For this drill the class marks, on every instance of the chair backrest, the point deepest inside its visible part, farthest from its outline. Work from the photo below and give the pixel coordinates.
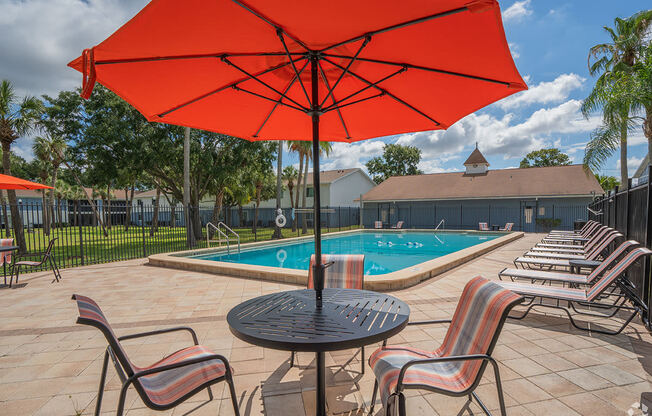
(607, 239)
(616, 271)
(91, 314)
(400, 224)
(483, 226)
(378, 224)
(590, 229)
(48, 250)
(508, 226)
(611, 259)
(6, 257)
(596, 237)
(346, 272)
(477, 322)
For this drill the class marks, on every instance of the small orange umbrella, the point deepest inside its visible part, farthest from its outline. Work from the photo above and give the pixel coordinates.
(11, 182)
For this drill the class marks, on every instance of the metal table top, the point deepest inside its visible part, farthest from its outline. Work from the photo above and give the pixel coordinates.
(291, 321)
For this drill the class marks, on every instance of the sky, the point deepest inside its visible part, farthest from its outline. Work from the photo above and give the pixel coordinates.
(549, 40)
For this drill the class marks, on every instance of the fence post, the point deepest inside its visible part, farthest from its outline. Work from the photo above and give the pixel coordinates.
(629, 187)
(142, 225)
(81, 239)
(647, 288)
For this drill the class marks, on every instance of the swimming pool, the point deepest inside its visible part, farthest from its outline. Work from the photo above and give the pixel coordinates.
(385, 251)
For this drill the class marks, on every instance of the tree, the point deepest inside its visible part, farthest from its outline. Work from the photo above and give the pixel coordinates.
(17, 118)
(324, 148)
(610, 61)
(50, 150)
(289, 175)
(607, 182)
(301, 147)
(279, 186)
(545, 157)
(397, 160)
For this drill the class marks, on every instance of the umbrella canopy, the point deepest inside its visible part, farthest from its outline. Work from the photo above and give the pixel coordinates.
(336, 70)
(11, 182)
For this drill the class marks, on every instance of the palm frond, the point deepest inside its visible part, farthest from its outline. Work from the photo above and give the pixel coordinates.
(605, 140)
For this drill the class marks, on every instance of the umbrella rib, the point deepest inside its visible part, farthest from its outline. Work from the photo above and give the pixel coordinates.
(222, 88)
(297, 76)
(269, 22)
(323, 76)
(366, 41)
(279, 32)
(180, 57)
(255, 78)
(424, 68)
(337, 107)
(235, 87)
(398, 26)
(393, 74)
(397, 99)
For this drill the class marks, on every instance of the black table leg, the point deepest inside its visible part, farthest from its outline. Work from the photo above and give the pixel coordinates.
(321, 384)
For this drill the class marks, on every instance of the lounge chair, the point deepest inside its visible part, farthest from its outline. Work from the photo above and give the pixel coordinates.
(573, 239)
(378, 224)
(584, 244)
(43, 258)
(568, 278)
(5, 257)
(507, 227)
(588, 255)
(586, 228)
(345, 271)
(166, 383)
(585, 297)
(398, 225)
(483, 226)
(457, 366)
(529, 260)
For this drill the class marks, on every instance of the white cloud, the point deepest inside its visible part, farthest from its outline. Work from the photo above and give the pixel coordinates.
(636, 138)
(632, 164)
(351, 155)
(545, 92)
(513, 48)
(501, 136)
(39, 38)
(517, 11)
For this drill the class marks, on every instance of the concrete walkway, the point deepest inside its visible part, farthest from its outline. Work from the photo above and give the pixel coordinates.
(51, 366)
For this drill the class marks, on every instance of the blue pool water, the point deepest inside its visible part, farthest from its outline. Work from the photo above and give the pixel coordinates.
(384, 252)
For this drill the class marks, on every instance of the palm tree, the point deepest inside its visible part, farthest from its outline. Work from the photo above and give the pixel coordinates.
(17, 118)
(289, 174)
(302, 148)
(324, 148)
(50, 150)
(610, 61)
(279, 187)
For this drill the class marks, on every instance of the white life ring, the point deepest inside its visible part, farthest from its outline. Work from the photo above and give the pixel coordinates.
(280, 221)
(281, 255)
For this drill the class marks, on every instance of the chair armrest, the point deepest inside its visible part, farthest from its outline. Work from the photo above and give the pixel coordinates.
(436, 321)
(161, 331)
(184, 363)
(483, 357)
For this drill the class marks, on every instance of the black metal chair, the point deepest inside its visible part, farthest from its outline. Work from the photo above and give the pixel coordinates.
(45, 257)
(166, 383)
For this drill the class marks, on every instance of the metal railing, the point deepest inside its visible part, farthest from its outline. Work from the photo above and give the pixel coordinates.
(222, 234)
(443, 221)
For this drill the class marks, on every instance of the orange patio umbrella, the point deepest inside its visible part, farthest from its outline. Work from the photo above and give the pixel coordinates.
(11, 182)
(336, 70)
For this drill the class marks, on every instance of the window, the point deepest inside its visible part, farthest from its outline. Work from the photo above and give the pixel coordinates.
(310, 192)
(542, 211)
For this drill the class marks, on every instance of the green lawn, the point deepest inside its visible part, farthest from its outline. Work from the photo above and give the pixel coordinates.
(87, 245)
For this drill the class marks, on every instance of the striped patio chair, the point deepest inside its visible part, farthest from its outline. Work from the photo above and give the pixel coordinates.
(398, 225)
(378, 224)
(589, 254)
(587, 296)
(507, 227)
(345, 271)
(37, 260)
(5, 258)
(483, 226)
(457, 366)
(166, 383)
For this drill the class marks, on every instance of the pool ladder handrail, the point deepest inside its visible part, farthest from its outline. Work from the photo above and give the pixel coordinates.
(222, 233)
(443, 221)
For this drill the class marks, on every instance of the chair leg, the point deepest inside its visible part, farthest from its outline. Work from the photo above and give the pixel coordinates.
(373, 398)
(55, 270)
(362, 360)
(100, 393)
(234, 397)
(12, 276)
(292, 359)
(123, 397)
(499, 388)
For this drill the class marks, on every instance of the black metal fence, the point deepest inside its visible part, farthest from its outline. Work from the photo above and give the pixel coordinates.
(628, 211)
(116, 231)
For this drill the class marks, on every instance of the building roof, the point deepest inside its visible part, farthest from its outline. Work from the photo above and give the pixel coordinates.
(330, 176)
(476, 158)
(570, 180)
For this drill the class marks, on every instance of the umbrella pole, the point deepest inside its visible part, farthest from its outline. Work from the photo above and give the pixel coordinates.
(318, 271)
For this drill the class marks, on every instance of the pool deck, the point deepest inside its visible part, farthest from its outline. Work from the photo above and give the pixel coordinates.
(400, 279)
(51, 366)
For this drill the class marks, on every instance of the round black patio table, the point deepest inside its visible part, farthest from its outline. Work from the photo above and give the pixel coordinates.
(291, 321)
